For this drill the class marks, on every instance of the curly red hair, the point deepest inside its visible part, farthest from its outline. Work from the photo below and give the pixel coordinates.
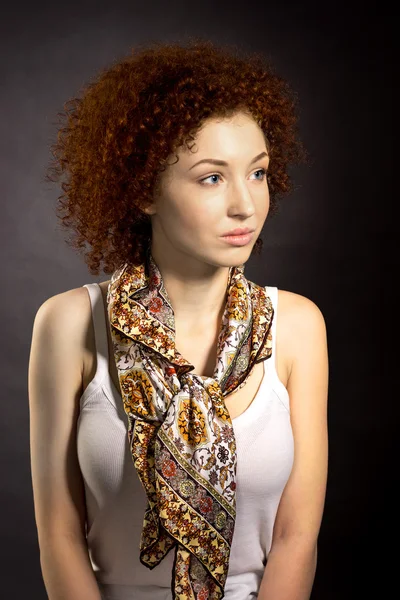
(113, 142)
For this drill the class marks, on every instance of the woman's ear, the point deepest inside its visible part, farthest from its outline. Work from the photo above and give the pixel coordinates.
(150, 210)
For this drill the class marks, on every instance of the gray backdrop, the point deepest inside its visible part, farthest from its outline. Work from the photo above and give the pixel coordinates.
(333, 239)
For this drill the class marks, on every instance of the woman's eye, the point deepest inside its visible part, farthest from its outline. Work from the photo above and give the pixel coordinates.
(209, 177)
(263, 171)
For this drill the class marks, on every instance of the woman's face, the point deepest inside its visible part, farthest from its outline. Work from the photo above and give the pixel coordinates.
(199, 203)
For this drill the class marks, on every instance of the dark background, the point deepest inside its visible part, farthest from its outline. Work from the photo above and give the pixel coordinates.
(333, 239)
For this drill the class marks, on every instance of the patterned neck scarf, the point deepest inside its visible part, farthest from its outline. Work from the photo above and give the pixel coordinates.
(179, 430)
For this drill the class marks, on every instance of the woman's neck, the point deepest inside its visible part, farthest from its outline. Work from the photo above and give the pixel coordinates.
(197, 291)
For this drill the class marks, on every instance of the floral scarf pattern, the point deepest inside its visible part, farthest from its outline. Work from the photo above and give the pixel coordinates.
(179, 430)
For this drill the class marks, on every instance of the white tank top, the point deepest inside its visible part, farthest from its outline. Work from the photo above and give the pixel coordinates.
(116, 500)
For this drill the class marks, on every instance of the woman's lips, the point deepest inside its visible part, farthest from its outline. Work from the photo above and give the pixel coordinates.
(238, 240)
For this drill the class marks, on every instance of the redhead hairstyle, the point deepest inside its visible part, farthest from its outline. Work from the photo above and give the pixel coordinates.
(114, 140)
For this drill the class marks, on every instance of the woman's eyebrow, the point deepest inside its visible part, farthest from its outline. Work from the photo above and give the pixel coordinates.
(222, 163)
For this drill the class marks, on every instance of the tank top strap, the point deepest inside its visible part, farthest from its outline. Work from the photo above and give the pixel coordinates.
(100, 331)
(272, 292)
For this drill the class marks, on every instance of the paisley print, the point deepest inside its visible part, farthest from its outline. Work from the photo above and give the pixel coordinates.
(192, 422)
(180, 432)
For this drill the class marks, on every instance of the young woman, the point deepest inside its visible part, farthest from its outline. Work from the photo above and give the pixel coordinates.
(178, 411)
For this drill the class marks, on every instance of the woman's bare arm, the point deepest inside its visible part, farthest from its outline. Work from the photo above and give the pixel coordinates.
(291, 565)
(55, 387)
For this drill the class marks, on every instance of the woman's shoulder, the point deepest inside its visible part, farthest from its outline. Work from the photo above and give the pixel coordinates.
(299, 318)
(66, 317)
(66, 307)
(296, 307)
(295, 301)
(297, 314)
